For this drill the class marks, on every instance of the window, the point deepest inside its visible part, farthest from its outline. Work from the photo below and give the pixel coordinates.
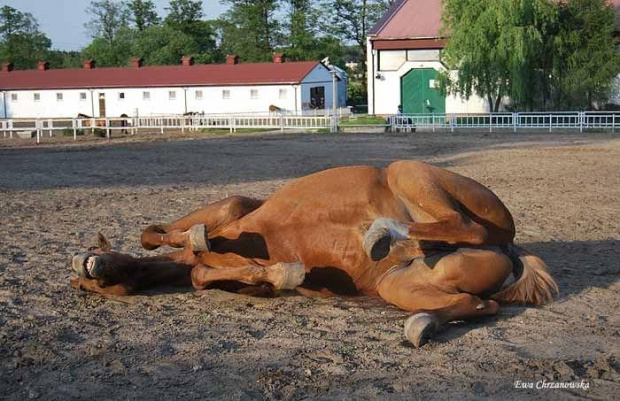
(254, 93)
(13, 97)
(59, 97)
(82, 96)
(198, 95)
(172, 95)
(121, 95)
(146, 95)
(225, 94)
(391, 60)
(282, 94)
(37, 97)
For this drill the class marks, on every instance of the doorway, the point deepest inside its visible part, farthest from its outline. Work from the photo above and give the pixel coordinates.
(420, 93)
(102, 105)
(317, 97)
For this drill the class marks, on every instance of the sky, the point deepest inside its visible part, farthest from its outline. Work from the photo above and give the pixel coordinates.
(63, 20)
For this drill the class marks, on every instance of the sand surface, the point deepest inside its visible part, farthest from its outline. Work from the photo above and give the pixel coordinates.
(57, 343)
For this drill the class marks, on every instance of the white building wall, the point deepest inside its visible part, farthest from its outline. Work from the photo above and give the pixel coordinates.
(385, 90)
(48, 105)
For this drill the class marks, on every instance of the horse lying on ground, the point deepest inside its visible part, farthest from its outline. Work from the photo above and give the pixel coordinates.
(422, 238)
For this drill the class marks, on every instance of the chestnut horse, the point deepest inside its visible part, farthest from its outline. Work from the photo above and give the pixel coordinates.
(422, 238)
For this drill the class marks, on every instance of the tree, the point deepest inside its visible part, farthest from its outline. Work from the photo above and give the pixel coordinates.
(186, 16)
(250, 28)
(108, 18)
(183, 12)
(350, 21)
(142, 14)
(21, 42)
(112, 54)
(586, 61)
(495, 46)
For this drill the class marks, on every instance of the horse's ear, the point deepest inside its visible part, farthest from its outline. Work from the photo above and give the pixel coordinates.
(103, 243)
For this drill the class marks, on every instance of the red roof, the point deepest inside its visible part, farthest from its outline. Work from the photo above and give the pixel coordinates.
(409, 19)
(163, 76)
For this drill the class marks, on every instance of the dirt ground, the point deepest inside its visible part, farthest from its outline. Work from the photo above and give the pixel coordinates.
(57, 343)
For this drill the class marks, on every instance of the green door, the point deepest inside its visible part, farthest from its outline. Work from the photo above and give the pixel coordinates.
(419, 92)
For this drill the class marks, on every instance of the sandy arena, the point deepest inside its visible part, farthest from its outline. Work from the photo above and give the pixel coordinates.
(57, 343)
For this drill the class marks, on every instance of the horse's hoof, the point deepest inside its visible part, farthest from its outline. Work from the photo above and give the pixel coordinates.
(88, 265)
(377, 244)
(383, 232)
(287, 276)
(198, 238)
(420, 327)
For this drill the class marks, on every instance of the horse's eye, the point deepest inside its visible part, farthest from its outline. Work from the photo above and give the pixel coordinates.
(92, 248)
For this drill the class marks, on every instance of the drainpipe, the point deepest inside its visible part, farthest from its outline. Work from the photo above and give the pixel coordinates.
(295, 87)
(372, 52)
(92, 102)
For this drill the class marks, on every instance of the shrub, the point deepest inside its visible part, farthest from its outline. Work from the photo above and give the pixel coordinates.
(69, 132)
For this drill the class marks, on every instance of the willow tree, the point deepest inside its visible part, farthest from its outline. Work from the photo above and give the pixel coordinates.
(495, 47)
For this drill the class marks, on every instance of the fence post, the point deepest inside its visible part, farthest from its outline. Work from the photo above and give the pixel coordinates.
(39, 125)
(515, 116)
(581, 115)
(490, 122)
(107, 126)
(281, 122)
(613, 123)
(550, 121)
(92, 126)
(74, 123)
(11, 128)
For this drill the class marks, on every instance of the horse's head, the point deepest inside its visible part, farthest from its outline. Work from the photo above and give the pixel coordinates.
(100, 262)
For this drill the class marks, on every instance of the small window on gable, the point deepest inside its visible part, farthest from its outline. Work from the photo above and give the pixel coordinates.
(146, 95)
(225, 94)
(121, 95)
(198, 95)
(13, 97)
(82, 96)
(172, 95)
(37, 97)
(282, 94)
(59, 96)
(254, 93)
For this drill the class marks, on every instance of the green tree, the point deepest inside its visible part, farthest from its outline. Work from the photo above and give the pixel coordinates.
(65, 59)
(142, 14)
(21, 42)
(112, 54)
(164, 45)
(350, 21)
(186, 16)
(250, 29)
(108, 18)
(496, 47)
(585, 62)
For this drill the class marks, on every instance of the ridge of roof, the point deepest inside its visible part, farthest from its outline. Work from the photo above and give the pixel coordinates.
(159, 76)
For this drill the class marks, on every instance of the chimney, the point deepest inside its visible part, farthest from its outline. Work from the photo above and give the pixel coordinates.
(136, 62)
(89, 64)
(232, 59)
(278, 58)
(43, 66)
(7, 66)
(187, 61)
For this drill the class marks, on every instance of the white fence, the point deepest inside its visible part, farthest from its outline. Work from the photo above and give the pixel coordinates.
(514, 121)
(37, 128)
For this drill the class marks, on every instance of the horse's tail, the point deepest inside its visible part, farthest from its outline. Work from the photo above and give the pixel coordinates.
(534, 285)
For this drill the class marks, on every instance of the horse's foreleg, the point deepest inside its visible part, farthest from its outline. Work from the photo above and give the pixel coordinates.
(187, 230)
(283, 276)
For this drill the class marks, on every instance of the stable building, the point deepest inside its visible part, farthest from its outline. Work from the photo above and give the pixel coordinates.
(403, 62)
(137, 90)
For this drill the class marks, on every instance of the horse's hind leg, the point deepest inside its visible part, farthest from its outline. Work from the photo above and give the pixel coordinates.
(444, 207)
(447, 290)
(193, 230)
